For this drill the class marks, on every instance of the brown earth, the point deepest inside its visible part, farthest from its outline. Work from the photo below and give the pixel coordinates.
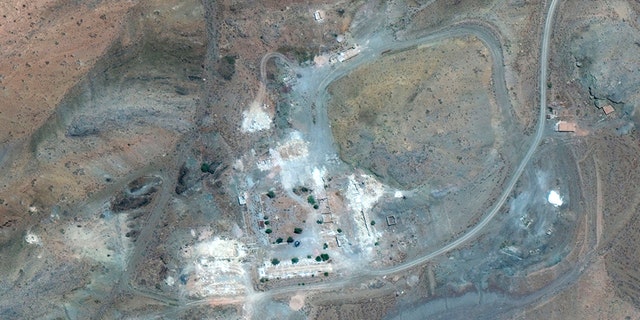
(408, 116)
(60, 59)
(613, 150)
(47, 47)
(592, 297)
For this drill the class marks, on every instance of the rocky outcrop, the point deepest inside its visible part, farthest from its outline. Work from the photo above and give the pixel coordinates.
(607, 61)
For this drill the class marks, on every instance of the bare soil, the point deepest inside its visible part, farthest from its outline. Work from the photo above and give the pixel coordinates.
(110, 108)
(408, 116)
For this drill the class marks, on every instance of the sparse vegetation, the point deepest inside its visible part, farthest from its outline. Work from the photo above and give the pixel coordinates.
(208, 167)
(227, 67)
(325, 246)
(301, 54)
(230, 59)
(300, 191)
(319, 221)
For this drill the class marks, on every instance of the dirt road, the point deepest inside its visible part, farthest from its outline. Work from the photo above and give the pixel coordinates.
(321, 132)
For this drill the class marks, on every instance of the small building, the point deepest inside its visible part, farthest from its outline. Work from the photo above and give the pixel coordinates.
(563, 126)
(391, 220)
(242, 199)
(318, 15)
(348, 54)
(608, 109)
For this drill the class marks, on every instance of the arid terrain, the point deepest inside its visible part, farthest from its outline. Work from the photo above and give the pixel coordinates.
(407, 159)
(406, 119)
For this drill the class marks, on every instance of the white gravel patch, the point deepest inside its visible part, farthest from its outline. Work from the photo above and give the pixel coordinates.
(256, 119)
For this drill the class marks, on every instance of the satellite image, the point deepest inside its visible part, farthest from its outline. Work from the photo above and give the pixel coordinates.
(338, 159)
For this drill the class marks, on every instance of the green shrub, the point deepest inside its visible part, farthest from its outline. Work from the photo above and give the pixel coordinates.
(206, 167)
(297, 230)
(227, 67)
(271, 194)
(311, 200)
(268, 231)
(279, 240)
(275, 261)
(230, 59)
(294, 260)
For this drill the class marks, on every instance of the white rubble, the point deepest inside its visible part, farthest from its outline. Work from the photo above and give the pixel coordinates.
(554, 198)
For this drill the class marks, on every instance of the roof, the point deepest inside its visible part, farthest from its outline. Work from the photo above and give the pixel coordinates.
(608, 109)
(564, 126)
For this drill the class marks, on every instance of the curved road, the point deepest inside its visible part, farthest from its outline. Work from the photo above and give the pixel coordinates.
(500, 85)
(482, 34)
(263, 75)
(544, 61)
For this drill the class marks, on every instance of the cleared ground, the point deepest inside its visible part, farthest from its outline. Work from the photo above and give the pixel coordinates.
(131, 190)
(409, 116)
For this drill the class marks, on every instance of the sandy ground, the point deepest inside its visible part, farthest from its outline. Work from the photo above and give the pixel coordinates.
(47, 47)
(167, 88)
(592, 297)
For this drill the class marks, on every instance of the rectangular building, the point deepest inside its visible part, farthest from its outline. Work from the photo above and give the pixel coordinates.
(563, 126)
